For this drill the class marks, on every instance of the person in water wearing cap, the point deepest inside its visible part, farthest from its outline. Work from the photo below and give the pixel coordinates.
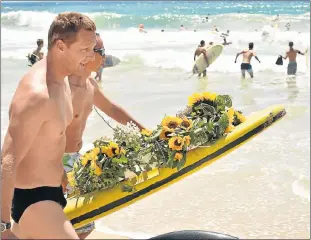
(37, 54)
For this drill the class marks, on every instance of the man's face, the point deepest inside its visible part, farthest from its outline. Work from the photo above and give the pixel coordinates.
(93, 66)
(81, 51)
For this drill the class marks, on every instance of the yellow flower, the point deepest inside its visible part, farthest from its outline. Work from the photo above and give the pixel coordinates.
(165, 132)
(186, 123)
(115, 149)
(146, 132)
(194, 98)
(85, 159)
(107, 150)
(96, 168)
(229, 129)
(96, 150)
(187, 140)
(240, 116)
(171, 122)
(178, 156)
(93, 154)
(230, 114)
(176, 143)
(209, 96)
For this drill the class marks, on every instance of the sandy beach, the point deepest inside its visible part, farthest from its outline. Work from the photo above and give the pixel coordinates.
(259, 191)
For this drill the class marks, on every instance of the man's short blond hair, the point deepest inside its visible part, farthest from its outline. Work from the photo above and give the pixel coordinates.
(66, 26)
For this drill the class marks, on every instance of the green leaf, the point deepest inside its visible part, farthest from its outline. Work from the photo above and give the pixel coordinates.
(122, 159)
(181, 163)
(127, 188)
(223, 101)
(223, 123)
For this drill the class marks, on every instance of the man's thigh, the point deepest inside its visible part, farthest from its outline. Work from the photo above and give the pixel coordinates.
(46, 220)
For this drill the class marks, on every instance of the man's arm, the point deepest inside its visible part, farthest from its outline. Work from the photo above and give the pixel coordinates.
(25, 122)
(285, 56)
(237, 55)
(300, 52)
(205, 57)
(255, 55)
(111, 109)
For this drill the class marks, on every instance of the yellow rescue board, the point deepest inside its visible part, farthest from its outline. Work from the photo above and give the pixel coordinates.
(86, 208)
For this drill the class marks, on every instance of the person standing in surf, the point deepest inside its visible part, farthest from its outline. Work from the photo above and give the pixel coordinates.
(84, 85)
(247, 57)
(200, 50)
(291, 54)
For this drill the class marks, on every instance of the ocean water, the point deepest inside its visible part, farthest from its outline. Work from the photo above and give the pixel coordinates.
(261, 190)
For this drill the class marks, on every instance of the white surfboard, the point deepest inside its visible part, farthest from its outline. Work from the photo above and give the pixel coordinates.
(213, 53)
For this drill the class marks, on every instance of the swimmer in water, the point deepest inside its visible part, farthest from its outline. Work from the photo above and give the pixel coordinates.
(291, 54)
(141, 28)
(247, 57)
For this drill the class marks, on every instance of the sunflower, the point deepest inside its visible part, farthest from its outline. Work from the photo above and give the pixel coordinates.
(107, 150)
(187, 140)
(194, 98)
(186, 124)
(171, 122)
(85, 159)
(230, 114)
(240, 116)
(229, 128)
(166, 132)
(176, 143)
(209, 96)
(96, 168)
(115, 149)
(146, 132)
(178, 156)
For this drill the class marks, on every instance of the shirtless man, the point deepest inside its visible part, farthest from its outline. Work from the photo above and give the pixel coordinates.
(84, 85)
(247, 57)
(291, 54)
(40, 111)
(37, 54)
(200, 49)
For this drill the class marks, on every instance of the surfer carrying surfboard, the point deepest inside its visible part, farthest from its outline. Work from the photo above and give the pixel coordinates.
(247, 57)
(200, 49)
(291, 54)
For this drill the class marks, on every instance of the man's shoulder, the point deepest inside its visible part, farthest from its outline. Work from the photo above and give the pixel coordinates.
(32, 91)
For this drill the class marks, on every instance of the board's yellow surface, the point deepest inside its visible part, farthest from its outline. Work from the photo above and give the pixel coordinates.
(78, 206)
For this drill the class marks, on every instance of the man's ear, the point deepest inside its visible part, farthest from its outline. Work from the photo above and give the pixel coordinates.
(60, 45)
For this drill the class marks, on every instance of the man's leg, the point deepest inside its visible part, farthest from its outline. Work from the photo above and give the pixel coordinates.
(243, 73)
(250, 72)
(204, 73)
(46, 220)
